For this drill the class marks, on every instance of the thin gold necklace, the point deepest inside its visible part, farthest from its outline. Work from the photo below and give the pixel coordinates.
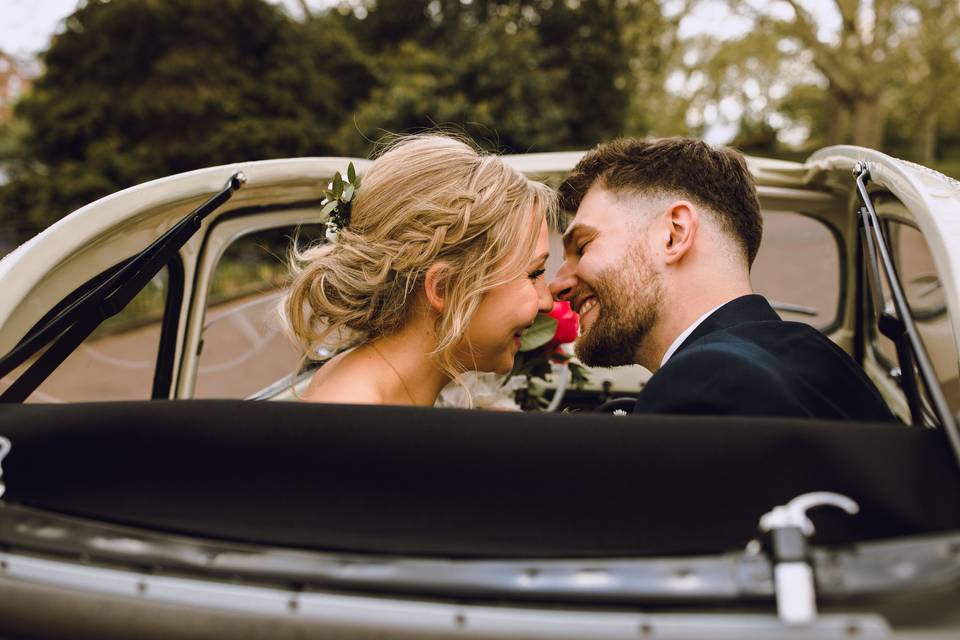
(395, 372)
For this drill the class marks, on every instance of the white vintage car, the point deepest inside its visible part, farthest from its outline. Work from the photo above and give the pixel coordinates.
(147, 491)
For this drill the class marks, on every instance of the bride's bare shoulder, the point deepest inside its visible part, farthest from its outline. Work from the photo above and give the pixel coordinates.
(344, 380)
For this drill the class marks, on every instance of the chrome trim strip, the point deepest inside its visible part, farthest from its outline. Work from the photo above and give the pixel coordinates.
(727, 577)
(907, 564)
(389, 616)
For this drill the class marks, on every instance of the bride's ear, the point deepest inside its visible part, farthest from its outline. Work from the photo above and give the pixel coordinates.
(435, 285)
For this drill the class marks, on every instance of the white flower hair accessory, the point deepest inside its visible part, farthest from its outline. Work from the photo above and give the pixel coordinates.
(338, 201)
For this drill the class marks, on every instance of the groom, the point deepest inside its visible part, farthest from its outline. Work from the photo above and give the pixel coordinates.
(657, 263)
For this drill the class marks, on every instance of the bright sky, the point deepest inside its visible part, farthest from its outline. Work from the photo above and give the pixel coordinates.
(26, 25)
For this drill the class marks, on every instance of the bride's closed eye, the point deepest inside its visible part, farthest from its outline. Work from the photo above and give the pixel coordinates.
(537, 274)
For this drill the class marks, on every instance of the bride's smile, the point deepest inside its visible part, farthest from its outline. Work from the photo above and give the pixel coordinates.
(506, 311)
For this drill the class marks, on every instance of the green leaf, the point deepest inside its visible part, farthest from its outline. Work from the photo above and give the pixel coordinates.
(337, 185)
(327, 208)
(347, 193)
(580, 375)
(351, 174)
(539, 334)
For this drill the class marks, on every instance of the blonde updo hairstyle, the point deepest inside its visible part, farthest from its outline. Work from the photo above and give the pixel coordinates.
(427, 199)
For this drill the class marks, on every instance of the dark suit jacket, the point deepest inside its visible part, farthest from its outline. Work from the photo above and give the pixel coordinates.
(744, 360)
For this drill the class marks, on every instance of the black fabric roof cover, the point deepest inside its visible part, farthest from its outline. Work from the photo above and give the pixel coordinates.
(468, 483)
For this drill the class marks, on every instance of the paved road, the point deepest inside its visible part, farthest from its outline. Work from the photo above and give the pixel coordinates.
(244, 351)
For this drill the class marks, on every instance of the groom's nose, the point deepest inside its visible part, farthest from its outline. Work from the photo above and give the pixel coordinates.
(563, 283)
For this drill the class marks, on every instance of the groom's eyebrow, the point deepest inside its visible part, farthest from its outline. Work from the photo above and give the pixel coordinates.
(571, 234)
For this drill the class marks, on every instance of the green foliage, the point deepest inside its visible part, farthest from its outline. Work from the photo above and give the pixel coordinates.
(489, 87)
(756, 138)
(809, 105)
(518, 75)
(338, 199)
(12, 133)
(138, 89)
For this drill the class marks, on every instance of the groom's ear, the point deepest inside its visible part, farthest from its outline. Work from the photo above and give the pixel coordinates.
(435, 285)
(682, 222)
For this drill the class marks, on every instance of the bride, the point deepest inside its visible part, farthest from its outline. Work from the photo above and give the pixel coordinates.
(437, 271)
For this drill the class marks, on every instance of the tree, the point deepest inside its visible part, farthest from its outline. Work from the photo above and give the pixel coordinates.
(741, 81)
(138, 89)
(489, 86)
(876, 41)
(579, 60)
(929, 76)
(653, 38)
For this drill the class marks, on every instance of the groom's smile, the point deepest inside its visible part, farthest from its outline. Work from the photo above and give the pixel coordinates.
(587, 305)
(584, 306)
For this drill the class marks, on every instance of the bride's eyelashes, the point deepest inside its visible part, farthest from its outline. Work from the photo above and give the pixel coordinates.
(537, 274)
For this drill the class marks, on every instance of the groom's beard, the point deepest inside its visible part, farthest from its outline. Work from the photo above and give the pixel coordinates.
(629, 295)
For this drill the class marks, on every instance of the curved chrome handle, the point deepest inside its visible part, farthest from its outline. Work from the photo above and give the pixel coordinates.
(794, 513)
(5, 447)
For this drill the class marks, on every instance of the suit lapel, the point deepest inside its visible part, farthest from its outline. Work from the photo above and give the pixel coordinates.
(749, 308)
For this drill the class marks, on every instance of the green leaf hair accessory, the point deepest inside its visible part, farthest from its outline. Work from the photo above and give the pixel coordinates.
(338, 201)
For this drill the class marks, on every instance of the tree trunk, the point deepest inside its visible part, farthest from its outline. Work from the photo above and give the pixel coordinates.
(868, 122)
(838, 127)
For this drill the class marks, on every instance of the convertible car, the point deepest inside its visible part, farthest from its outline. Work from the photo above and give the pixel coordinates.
(151, 488)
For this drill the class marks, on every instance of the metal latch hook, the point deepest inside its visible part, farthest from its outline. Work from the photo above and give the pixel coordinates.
(787, 530)
(794, 513)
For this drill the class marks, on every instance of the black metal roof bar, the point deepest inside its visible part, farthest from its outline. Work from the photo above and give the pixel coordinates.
(72, 326)
(889, 324)
(912, 348)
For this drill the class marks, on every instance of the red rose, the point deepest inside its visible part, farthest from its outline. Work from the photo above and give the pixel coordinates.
(568, 324)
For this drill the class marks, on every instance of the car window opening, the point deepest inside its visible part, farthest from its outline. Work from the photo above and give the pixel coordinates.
(68, 329)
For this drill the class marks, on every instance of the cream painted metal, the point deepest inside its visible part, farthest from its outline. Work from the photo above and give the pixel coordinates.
(932, 200)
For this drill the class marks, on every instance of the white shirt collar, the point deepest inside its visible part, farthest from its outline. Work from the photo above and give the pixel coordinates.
(683, 336)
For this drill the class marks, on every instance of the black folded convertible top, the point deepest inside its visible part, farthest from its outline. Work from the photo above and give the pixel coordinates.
(468, 483)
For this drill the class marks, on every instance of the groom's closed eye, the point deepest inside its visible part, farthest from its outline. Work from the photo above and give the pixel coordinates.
(576, 239)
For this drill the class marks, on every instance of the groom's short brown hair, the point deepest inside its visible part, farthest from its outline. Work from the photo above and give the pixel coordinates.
(714, 177)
